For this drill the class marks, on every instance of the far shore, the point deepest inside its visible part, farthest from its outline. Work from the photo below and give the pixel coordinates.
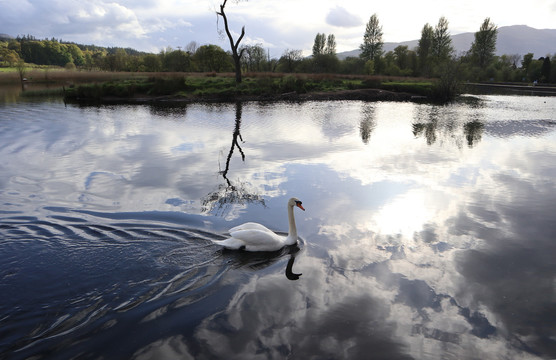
(141, 88)
(360, 94)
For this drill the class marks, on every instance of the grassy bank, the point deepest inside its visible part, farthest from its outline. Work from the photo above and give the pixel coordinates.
(98, 85)
(223, 87)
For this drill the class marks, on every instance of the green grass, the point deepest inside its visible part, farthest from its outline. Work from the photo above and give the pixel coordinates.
(418, 88)
(223, 86)
(43, 92)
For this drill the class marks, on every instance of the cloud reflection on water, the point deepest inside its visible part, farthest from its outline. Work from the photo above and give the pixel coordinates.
(429, 229)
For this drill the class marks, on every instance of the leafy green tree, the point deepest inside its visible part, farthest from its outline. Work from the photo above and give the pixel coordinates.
(319, 44)
(89, 64)
(424, 49)
(324, 58)
(152, 63)
(56, 54)
(8, 56)
(534, 70)
(121, 59)
(254, 57)
(401, 54)
(371, 48)
(99, 59)
(484, 46)
(289, 60)
(553, 72)
(76, 54)
(441, 49)
(15, 46)
(330, 48)
(176, 60)
(325, 63)
(352, 65)
(370, 67)
(213, 58)
(32, 52)
(527, 59)
(116, 61)
(22, 70)
(545, 69)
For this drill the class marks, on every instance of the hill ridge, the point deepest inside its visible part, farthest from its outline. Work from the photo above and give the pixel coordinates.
(513, 39)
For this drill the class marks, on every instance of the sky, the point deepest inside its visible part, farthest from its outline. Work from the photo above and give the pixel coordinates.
(153, 25)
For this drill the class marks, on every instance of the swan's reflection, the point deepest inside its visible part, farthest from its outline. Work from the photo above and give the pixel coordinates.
(262, 259)
(289, 268)
(227, 194)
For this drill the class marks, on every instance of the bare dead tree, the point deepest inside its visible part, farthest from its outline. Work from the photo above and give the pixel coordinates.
(233, 44)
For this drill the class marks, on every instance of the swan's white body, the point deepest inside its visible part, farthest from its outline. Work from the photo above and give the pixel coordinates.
(256, 237)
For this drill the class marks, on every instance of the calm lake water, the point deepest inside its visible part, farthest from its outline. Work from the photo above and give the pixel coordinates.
(429, 231)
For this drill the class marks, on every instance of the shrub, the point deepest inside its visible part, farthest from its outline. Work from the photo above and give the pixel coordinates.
(168, 86)
(371, 83)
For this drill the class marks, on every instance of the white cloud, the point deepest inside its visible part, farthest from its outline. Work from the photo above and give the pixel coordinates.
(340, 17)
(284, 24)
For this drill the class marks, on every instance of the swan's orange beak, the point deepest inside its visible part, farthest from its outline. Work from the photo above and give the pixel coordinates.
(300, 206)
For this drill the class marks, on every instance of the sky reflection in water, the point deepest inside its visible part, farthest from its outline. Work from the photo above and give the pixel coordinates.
(429, 230)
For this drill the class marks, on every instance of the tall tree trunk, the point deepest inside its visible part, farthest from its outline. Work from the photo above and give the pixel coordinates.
(234, 45)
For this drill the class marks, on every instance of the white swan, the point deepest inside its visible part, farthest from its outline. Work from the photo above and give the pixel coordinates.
(256, 237)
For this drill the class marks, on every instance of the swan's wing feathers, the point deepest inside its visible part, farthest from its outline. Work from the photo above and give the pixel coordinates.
(249, 226)
(230, 243)
(252, 237)
(258, 239)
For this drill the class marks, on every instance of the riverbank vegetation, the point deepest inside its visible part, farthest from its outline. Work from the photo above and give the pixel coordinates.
(255, 86)
(434, 60)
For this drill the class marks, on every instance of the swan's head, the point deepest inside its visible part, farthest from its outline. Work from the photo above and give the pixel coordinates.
(295, 202)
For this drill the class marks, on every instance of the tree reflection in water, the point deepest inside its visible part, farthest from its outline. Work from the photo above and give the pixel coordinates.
(220, 200)
(437, 128)
(368, 123)
(473, 132)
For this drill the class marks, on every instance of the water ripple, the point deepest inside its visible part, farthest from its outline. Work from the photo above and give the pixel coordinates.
(76, 276)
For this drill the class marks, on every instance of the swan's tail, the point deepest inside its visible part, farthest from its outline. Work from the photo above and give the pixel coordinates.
(230, 243)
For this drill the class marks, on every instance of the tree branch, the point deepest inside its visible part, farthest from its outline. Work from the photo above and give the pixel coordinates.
(234, 46)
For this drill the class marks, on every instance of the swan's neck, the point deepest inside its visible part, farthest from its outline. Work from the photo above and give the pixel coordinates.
(292, 233)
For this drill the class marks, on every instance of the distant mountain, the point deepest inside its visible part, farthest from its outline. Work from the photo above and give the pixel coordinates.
(516, 39)
(6, 37)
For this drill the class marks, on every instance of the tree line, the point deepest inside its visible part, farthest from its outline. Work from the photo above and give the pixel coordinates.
(435, 54)
(433, 57)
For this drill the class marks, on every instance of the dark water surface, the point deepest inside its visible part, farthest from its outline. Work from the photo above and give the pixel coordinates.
(430, 231)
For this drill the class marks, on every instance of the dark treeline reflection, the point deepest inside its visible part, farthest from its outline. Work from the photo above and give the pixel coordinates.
(438, 127)
(368, 123)
(473, 132)
(220, 200)
(431, 131)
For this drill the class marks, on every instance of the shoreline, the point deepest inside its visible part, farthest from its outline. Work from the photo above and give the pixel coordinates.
(340, 95)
